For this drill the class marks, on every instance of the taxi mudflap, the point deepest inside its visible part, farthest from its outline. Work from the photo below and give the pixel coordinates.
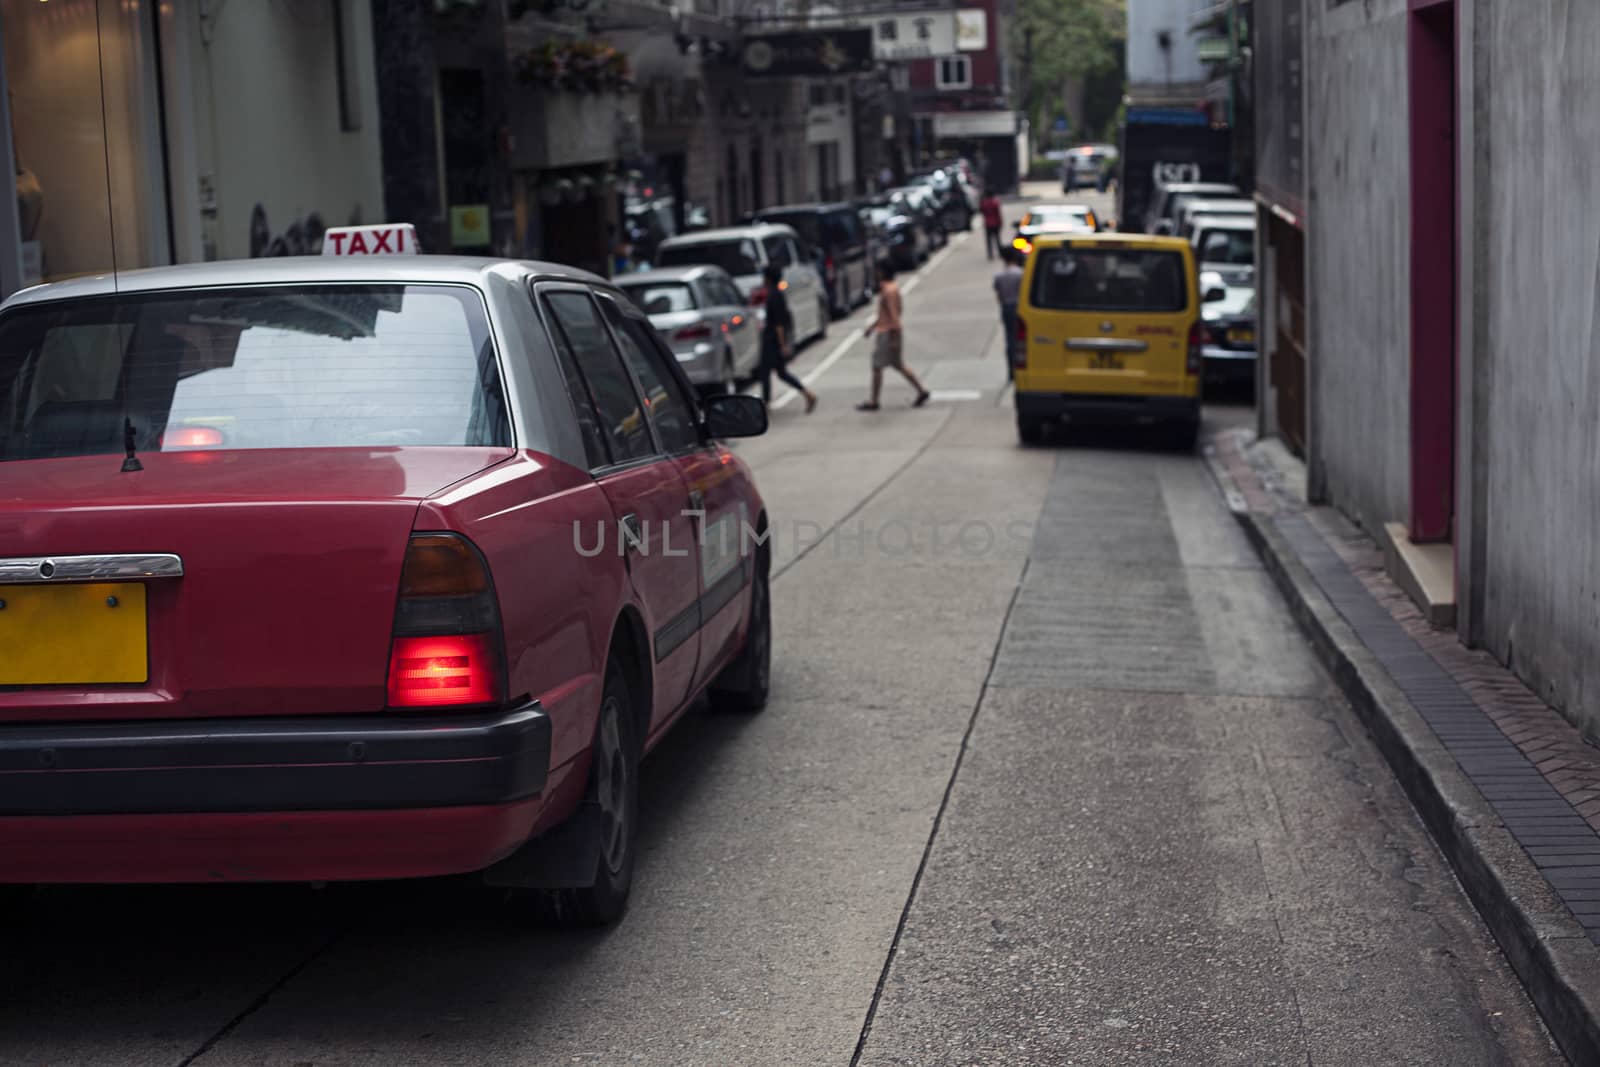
(353, 568)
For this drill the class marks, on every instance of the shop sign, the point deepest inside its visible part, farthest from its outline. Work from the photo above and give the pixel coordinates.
(972, 29)
(920, 35)
(815, 53)
(469, 225)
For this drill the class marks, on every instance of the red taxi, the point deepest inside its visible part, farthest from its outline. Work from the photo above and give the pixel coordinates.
(358, 567)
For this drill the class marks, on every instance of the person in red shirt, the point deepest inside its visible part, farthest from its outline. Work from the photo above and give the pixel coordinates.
(989, 208)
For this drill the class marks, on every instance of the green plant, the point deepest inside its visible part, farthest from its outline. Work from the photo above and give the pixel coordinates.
(576, 66)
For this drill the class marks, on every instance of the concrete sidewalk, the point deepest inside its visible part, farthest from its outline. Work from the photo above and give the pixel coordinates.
(1505, 784)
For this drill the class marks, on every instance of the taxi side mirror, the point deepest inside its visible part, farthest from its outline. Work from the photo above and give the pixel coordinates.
(735, 415)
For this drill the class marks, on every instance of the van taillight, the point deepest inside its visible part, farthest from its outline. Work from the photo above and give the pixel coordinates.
(700, 331)
(1196, 340)
(1019, 350)
(447, 640)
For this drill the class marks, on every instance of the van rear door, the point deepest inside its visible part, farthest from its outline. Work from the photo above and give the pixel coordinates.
(1110, 317)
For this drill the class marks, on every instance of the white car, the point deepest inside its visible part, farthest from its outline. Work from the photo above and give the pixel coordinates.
(745, 252)
(1225, 245)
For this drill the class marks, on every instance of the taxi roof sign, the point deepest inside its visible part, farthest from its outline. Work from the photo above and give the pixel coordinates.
(390, 239)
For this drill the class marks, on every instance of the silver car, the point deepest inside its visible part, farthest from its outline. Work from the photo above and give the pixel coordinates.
(704, 319)
(745, 252)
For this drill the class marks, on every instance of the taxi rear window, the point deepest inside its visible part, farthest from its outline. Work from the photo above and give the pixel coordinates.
(1109, 279)
(260, 367)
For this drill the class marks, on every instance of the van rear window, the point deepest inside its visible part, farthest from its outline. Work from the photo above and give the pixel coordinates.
(1109, 279)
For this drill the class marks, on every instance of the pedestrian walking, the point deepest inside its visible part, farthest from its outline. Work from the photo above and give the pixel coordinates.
(887, 352)
(775, 342)
(1007, 290)
(989, 208)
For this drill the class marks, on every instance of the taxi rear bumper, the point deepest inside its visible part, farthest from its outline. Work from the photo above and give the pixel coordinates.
(1107, 408)
(358, 797)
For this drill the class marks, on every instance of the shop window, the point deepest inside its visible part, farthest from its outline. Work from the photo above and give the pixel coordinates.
(954, 72)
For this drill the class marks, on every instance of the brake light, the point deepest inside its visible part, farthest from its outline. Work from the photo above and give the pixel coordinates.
(759, 296)
(1196, 340)
(699, 331)
(187, 437)
(427, 672)
(1019, 351)
(827, 267)
(447, 639)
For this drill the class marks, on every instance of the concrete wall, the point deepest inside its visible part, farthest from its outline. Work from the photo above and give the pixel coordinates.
(1540, 275)
(1359, 258)
(267, 123)
(1148, 64)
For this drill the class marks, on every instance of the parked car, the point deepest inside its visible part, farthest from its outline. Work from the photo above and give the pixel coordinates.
(1042, 219)
(831, 235)
(292, 585)
(904, 241)
(921, 201)
(1225, 244)
(1188, 206)
(1109, 326)
(701, 315)
(1229, 327)
(1083, 164)
(949, 198)
(1159, 218)
(744, 252)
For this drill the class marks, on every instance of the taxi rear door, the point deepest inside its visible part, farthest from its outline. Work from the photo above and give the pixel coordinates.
(1109, 317)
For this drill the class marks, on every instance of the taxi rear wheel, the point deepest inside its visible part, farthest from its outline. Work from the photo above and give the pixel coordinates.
(1030, 430)
(613, 795)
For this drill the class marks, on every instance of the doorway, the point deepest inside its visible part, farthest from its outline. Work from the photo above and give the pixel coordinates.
(1432, 72)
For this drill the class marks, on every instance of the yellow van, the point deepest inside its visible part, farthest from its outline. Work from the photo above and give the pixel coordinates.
(1109, 331)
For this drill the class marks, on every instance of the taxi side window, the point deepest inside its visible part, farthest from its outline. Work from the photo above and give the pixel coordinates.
(622, 420)
(583, 405)
(669, 408)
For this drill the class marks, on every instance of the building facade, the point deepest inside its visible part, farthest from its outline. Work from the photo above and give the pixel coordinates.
(961, 95)
(1452, 401)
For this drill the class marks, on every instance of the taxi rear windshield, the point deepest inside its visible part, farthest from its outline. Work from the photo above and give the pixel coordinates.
(1109, 279)
(260, 367)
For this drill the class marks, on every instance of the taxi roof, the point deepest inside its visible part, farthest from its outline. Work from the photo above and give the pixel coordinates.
(290, 270)
(1114, 239)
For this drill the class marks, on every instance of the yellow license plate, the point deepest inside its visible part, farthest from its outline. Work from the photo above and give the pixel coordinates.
(1104, 361)
(90, 634)
(1242, 337)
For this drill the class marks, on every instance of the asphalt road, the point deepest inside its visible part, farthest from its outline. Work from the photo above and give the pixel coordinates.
(1048, 777)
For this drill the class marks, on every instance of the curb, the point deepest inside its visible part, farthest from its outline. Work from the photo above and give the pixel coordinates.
(1545, 945)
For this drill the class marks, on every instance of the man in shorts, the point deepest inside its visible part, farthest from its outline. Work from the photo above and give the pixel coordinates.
(886, 334)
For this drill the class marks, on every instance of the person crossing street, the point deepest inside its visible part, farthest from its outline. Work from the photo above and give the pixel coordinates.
(989, 208)
(775, 342)
(885, 330)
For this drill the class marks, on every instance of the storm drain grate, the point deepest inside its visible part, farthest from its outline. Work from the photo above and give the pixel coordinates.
(1558, 839)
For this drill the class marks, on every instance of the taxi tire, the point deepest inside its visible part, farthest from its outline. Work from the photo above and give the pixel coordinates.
(1030, 430)
(603, 901)
(1185, 435)
(744, 685)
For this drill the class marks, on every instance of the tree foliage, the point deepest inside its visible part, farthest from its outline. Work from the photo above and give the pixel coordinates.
(1055, 40)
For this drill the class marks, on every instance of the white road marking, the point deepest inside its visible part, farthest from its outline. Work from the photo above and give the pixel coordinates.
(844, 346)
(955, 394)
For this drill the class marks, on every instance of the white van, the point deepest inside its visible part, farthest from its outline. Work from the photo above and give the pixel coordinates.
(744, 252)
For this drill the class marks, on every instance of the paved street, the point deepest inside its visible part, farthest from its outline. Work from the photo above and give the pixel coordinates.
(1049, 776)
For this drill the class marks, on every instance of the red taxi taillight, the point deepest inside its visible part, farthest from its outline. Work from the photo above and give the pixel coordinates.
(446, 648)
(700, 331)
(1019, 350)
(1197, 337)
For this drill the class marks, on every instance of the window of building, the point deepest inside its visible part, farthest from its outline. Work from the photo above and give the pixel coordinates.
(953, 72)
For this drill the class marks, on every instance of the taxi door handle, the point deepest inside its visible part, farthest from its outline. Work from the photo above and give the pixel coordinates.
(697, 500)
(634, 536)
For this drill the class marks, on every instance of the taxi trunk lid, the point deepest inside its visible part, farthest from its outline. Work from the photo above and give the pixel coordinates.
(290, 567)
(1111, 318)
